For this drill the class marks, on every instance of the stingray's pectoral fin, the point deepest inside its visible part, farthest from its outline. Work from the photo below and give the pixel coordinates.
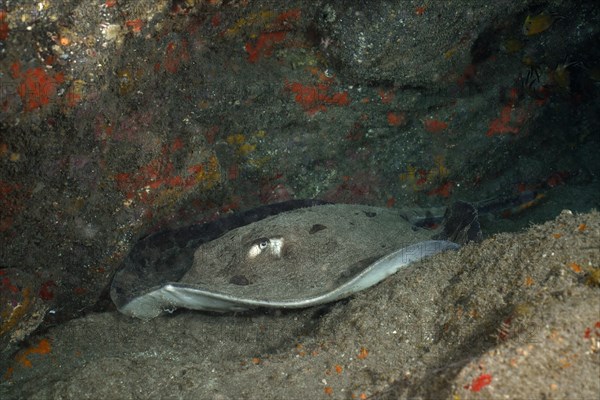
(172, 296)
(175, 295)
(461, 224)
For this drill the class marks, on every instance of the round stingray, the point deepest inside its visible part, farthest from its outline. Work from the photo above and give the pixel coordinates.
(295, 258)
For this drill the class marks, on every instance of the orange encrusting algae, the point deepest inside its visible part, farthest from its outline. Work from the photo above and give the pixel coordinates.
(157, 178)
(176, 53)
(4, 29)
(315, 98)
(435, 126)
(136, 25)
(396, 119)
(575, 267)
(264, 45)
(480, 382)
(587, 334)
(443, 190)
(385, 96)
(511, 117)
(37, 88)
(276, 32)
(43, 347)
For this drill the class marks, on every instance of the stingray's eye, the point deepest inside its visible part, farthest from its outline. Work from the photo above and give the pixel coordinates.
(272, 246)
(258, 247)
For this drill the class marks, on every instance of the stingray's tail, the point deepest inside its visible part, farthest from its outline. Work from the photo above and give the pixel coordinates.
(461, 224)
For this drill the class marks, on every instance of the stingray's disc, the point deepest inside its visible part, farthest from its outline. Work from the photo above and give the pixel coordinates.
(296, 258)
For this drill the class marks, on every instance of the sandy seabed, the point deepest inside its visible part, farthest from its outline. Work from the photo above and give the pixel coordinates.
(516, 316)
